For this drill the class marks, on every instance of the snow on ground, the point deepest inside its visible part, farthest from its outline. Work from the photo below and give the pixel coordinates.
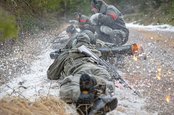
(164, 27)
(36, 84)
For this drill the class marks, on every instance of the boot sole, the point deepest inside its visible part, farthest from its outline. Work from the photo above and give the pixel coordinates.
(111, 105)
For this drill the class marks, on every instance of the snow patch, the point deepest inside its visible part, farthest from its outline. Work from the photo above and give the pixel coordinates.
(164, 27)
(35, 84)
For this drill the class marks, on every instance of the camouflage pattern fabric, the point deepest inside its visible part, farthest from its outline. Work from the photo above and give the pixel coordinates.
(70, 65)
(110, 17)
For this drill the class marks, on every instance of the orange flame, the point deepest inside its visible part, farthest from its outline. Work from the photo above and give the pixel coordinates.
(168, 98)
(136, 48)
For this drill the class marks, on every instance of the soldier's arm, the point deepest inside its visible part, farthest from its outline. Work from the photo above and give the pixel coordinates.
(55, 69)
(108, 18)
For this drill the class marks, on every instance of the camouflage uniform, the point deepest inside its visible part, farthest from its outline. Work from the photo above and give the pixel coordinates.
(110, 26)
(72, 32)
(71, 64)
(74, 37)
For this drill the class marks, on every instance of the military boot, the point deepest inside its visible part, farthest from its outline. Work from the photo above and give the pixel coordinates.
(87, 94)
(103, 105)
(106, 30)
(116, 37)
(87, 89)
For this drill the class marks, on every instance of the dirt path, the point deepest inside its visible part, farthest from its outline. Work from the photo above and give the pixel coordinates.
(152, 75)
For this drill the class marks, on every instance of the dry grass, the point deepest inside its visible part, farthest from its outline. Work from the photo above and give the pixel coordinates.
(43, 106)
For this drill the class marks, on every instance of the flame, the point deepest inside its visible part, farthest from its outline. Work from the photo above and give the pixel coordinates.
(159, 74)
(168, 98)
(136, 48)
(135, 58)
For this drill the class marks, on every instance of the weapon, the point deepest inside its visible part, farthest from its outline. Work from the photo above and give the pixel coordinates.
(126, 49)
(83, 49)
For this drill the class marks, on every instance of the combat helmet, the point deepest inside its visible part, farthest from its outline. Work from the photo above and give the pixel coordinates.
(81, 39)
(100, 5)
(71, 29)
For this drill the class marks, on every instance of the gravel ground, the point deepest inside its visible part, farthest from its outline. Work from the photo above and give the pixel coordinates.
(16, 60)
(153, 74)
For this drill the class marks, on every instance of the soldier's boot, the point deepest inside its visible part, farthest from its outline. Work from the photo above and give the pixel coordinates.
(103, 105)
(116, 36)
(106, 30)
(119, 37)
(87, 94)
(87, 89)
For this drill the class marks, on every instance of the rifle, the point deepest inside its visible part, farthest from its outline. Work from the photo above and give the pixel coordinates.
(83, 49)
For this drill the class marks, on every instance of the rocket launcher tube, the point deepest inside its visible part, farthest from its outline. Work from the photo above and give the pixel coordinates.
(126, 49)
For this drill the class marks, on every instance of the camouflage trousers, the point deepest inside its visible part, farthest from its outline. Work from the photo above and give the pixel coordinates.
(70, 89)
(117, 36)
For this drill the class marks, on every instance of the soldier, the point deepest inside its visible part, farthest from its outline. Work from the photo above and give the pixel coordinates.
(110, 26)
(84, 81)
(84, 22)
(81, 18)
(72, 33)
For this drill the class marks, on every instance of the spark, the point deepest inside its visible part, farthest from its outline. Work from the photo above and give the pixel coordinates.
(135, 58)
(168, 98)
(159, 74)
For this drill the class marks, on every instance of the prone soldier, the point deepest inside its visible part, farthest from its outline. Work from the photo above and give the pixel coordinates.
(84, 81)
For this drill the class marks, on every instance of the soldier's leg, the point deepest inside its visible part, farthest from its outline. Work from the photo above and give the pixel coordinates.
(99, 94)
(118, 37)
(108, 101)
(69, 89)
(104, 34)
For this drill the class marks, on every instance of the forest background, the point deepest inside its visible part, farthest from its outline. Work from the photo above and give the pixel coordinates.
(19, 17)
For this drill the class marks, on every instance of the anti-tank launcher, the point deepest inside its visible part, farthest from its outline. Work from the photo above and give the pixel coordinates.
(110, 51)
(124, 50)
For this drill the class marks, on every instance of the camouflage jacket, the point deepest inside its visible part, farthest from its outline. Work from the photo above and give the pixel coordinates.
(67, 62)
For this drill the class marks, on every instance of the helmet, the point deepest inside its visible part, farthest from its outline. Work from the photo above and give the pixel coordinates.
(90, 35)
(77, 14)
(98, 6)
(83, 38)
(71, 29)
